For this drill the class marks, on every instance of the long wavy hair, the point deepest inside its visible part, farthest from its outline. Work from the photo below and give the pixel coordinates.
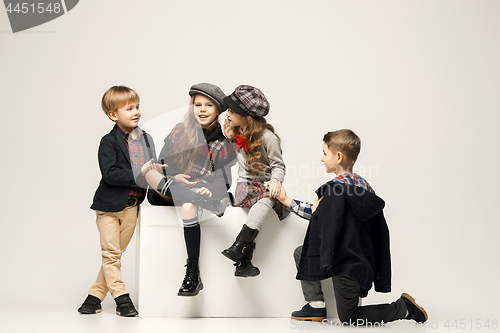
(188, 144)
(253, 133)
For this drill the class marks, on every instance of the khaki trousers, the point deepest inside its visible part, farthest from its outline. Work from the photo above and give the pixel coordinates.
(115, 232)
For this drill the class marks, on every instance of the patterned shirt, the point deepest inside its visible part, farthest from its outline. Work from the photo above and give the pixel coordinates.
(136, 152)
(304, 209)
(212, 154)
(354, 179)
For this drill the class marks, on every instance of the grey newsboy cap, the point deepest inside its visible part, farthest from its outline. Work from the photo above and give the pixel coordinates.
(211, 91)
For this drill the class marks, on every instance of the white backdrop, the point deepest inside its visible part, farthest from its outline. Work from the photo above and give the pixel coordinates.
(418, 81)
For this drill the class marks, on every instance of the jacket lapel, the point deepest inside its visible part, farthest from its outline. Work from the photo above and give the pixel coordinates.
(121, 142)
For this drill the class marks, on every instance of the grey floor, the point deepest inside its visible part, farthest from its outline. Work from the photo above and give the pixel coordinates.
(70, 321)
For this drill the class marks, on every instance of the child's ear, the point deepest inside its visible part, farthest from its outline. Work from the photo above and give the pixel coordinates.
(112, 115)
(340, 157)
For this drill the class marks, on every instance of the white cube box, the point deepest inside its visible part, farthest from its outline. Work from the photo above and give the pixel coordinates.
(161, 256)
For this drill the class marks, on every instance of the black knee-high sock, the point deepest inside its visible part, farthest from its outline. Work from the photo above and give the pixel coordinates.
(192, 237)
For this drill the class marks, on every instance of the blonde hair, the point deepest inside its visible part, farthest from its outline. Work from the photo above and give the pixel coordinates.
(253, 133)
(117, 97)
(345, 141)
(187, 147)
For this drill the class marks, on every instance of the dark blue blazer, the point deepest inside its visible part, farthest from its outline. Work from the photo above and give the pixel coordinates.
(116, 170)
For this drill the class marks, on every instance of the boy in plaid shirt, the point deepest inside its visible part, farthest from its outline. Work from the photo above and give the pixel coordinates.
(348, 240)
(122, 153)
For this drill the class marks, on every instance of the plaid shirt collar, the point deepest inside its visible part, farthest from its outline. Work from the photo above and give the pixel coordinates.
(127, 135)
(354, 179)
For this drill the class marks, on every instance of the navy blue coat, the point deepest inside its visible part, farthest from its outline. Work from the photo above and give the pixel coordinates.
(347, 235)
(116, 170)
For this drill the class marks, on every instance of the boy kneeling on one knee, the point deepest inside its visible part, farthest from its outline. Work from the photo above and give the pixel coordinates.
(348, 240)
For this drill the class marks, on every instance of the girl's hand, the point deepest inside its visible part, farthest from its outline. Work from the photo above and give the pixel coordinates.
(204, 191)
(274, 186)
(228, 130)
(183, 179)
(316, 203)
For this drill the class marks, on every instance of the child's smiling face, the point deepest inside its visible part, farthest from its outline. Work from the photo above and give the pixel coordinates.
(127, 117)
(329, 159)
(205, 110)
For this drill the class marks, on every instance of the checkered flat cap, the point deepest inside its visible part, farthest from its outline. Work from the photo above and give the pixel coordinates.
(248, 100)
(211, 91)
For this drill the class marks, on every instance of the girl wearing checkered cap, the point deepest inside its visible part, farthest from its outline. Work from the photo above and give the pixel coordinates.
(261, 170)
(198, 159)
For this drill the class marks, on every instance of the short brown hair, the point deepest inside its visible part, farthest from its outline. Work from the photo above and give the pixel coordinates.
(117, 97)
(345, 141)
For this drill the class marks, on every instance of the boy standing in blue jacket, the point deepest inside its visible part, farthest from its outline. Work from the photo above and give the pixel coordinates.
(122, 154)
(348, 240)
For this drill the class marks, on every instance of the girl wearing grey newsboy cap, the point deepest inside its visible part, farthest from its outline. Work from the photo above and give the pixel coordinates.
(197, 159)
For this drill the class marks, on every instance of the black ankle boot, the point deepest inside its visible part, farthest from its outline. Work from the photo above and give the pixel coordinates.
(191, 285)
(242, 244)
(215, 205)
(245, 267)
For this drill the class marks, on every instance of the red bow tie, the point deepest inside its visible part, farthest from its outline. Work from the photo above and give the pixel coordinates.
(241, 141)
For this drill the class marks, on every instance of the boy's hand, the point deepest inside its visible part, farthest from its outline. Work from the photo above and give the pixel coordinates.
(204, 191)
(150, 165)
(228, 130)
(147, 167)
(282, 195)
(274, 186)
(316, 203)
(183, 179)
(158, 167)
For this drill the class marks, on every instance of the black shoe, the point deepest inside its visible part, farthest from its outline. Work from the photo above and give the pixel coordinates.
(415, 311)
(91, 305)
(245, 267)
(125, 307)
(215, 205)
(241, 245)
(191, 285)
(309, 313)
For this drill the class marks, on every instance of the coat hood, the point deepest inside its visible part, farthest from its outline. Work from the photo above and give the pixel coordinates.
(363, 203)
